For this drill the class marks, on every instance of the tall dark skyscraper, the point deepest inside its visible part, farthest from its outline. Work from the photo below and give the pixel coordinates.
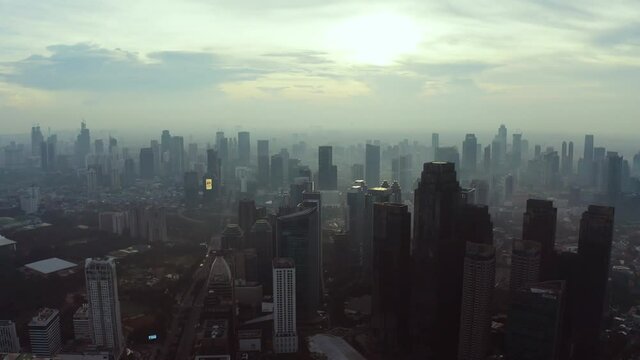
(594, 256)
(564, 158)
(438, 257)
(475, 227)
(372, 165)
(261, 239)
(534, 326)
(570, 159)
(263, 164)
(98, 147)
(469, 154)
(146, 163)
(298, 238)
(327, 172)
(247, 214)
(244, 148)
(435, 144)
(391, 279)
(539, 225)
(213, 164)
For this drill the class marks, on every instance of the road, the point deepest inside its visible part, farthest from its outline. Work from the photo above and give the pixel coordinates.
(186, 314)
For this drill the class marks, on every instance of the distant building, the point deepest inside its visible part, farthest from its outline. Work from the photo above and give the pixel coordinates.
(104, 305)
(45, 333)
(244, 148)
(232, 237)
(327, 172)
(285, 336)
(9, 341)
(372, 164)
(112, 222)
(357, 172)
(147, 163)
(263, 163)
(82, 324)
(50, 266)
(30, 200)
(261, 238)
(92, 182)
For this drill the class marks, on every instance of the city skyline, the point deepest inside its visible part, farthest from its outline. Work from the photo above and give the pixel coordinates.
(408, 63)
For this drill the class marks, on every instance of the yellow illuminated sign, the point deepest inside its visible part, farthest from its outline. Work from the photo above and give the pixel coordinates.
(208, 184)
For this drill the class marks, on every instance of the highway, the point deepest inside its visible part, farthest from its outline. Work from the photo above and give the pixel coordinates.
(181, 334)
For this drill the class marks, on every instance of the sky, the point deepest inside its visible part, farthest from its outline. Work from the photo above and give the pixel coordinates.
(564, 66)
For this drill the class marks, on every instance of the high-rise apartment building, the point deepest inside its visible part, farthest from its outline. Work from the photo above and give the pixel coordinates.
(539, 225)
(9, 341)
(45, 333)
(525, 264)
(469, 155)
(263, 163)
(285, 336)
(104, 304)
(147, 162)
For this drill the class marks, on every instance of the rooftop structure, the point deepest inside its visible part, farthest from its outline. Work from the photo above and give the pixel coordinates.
(51, 265)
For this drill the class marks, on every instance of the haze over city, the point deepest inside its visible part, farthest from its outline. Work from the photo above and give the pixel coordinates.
(320, 180)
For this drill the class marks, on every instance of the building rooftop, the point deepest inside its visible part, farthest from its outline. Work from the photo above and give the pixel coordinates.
(283, 263)
(333, 347)
(50, 265)
(43, 317)
(4, 241)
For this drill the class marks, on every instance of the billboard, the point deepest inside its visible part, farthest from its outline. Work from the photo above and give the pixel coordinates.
(208, 184)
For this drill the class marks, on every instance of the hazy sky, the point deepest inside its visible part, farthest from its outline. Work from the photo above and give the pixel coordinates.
(469, 65)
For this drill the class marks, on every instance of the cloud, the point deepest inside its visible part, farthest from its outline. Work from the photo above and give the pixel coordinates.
(626, 35)
(90, 67)
(302, 57)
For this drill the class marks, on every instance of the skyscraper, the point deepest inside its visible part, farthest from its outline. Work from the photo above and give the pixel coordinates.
(439, 258)
(261, 239)
(232, 237)
(45, 333)
(277, 171)
(435, 144)
(534, 325)
(469, 155)
(570, 159)
(83, 145)
(474, 226)
(327, 172)
(36, 140)
(146, 163)
(191, 185)
(477, 294)
(587, 161)
(247, 214)
(263, 163)
(9, 341)
(102, 294)
(525, 264)
(285, 336)
(594, 256)
(372, 164)
(244, 148)
(176, 156)
(298, 238)
(391, 294)
(539, 225)
(614, 177)
(516, 151)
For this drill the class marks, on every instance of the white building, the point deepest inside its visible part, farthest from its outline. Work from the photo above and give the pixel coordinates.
(104, 305)
(9, 341)
(82, 324)
(45, 333)
(30, 200)
(284, 312)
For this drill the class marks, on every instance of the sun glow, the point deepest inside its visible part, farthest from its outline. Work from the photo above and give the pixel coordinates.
(376, 38)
